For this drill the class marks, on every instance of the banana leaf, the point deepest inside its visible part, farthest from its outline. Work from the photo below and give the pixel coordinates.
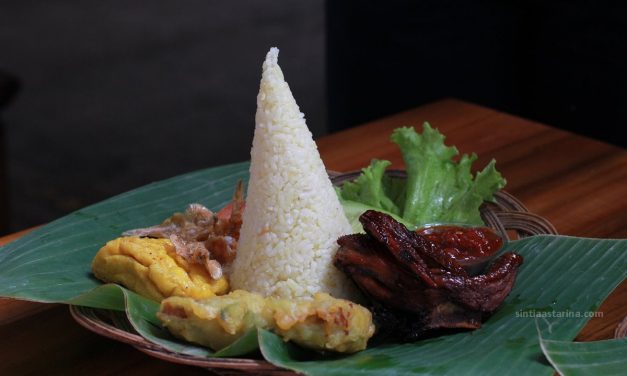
(608, 357)
(561, 274)
(53, 262)
(563, 280)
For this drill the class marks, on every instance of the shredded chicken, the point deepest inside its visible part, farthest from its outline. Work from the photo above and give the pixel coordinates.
(201, 236)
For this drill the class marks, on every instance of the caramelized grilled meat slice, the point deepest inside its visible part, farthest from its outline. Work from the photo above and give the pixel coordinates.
(375, 271)
(408, 245)
(409, 279)
(484, 292)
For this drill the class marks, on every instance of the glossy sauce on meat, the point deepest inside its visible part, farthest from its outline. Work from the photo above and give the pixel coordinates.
(463, 243)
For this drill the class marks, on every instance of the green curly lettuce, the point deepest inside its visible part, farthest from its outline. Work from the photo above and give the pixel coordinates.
(438, 188)
(368, 188)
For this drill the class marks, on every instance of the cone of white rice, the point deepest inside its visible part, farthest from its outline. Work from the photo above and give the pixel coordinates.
(293, 216)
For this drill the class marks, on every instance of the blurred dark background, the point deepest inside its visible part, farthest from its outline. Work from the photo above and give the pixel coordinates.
(97, 98)
(117, 94)
(558, 62)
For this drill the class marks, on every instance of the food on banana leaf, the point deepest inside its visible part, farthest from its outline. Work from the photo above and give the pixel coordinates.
(153, 269)
(183, 256)
(201, 236)
(289, 241)
(293, 216)
(415, 285)
(323, 323)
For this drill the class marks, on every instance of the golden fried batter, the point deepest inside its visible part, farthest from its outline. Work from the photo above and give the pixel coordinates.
(152, 268)
(322, 323)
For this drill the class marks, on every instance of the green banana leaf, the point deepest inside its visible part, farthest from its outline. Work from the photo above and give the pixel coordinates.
(608, 357)
(53, 263)
(561, 275)
(562, 280)
(139, 313)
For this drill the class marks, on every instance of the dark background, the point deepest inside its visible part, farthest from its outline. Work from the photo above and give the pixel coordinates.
(113, 95)
(116, 94)
(558, 62)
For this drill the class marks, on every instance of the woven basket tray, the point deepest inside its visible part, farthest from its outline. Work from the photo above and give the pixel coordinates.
(507, 216)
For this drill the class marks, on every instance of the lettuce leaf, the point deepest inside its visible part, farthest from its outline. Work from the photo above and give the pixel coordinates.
(353, 209)
(438, 188)
(368, 188)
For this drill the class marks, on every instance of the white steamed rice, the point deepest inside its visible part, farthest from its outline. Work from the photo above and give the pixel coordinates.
(293, 216)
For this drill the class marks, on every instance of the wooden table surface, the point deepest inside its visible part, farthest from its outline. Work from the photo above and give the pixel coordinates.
(577, 183)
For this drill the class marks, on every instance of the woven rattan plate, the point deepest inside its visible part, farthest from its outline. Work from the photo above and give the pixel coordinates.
(507, 216)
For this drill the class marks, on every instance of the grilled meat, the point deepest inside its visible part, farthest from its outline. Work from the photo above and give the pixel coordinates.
(415, 286)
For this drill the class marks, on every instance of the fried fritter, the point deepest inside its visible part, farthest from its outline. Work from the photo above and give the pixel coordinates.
(323, 323)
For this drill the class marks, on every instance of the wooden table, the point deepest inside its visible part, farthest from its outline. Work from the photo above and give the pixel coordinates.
(579, 184)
